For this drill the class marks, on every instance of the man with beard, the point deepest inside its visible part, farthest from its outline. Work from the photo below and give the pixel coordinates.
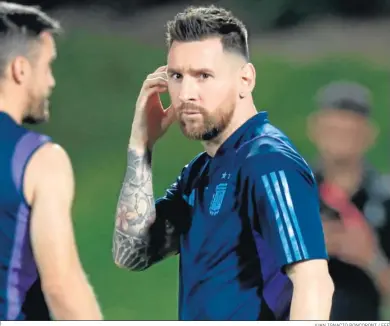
(355, 201)
(37, 245)
(244, 214)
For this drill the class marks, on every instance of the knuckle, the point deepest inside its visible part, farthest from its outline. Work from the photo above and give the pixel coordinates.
(146, 84)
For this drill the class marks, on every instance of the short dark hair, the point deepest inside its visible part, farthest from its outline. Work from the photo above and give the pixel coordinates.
(345, 95)
(21, 25)
(199, 23)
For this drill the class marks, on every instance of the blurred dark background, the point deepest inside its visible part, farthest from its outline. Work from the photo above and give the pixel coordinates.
(267, 13)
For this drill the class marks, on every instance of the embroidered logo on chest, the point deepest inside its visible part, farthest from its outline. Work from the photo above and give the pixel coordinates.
(219, 195)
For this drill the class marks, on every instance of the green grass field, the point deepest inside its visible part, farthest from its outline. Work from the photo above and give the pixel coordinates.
(98, 79)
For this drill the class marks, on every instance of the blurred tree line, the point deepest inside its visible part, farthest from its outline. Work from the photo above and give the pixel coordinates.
(268, 14)
(287, 13)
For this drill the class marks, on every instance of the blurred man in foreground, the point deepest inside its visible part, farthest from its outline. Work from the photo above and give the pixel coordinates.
(36, 182)
(244, 214)
(355, 202)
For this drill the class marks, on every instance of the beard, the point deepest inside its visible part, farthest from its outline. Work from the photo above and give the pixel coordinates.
(38, 112)
(201, 125)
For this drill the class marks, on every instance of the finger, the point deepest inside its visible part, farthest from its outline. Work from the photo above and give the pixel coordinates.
(156, 89)
(160, 69)
(156, 78)
(169, 117)
(168, 112)
(156, 82)
(162, 74)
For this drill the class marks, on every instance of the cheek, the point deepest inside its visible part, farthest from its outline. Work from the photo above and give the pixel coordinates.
(218, 95)
(34, 81)
(32, 86)
(330, 139)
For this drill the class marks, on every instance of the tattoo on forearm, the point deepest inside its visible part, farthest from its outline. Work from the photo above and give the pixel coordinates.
(135, 213)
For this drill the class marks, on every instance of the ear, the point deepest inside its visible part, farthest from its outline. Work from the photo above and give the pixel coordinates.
(20, 69)
(247, 79)
(372, 132)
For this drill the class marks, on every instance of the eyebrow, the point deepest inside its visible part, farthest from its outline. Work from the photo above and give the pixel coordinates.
(192, 71)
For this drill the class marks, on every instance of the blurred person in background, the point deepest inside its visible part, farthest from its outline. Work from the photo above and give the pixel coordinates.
(355, 201)
(37, 246)
(244, 214)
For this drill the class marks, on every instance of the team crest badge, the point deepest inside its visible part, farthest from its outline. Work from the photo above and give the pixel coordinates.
(218, 197)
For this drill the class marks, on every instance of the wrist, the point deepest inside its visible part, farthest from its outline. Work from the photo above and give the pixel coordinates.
(139, 145)
(136, 151)
(378, 264)
(139, 149)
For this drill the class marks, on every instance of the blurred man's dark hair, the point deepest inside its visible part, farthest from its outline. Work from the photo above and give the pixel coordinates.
(20, 27)
(199, 23)
(344, 95)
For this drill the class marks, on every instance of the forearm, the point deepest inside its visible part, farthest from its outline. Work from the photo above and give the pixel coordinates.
(135, 212)
(379, 270)
(383, 281)
(72, 300)
(312, 301)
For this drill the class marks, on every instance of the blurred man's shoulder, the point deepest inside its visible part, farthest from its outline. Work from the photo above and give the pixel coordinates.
(379, 185)
(376, 206)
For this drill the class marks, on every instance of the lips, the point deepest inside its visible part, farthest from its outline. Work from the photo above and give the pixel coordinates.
(190, 112)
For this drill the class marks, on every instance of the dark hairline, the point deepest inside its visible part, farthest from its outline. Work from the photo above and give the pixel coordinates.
(43, 22)
(225, 49)
(28, 29)
(230, 30)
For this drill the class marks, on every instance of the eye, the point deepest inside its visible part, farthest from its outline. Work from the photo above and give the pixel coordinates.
(175, 75)
(204, 76)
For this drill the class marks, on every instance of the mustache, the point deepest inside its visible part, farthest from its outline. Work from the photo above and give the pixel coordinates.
(190, 108)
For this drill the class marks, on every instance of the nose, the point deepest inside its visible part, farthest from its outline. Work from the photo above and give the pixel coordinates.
(188, 90)
(52, 81)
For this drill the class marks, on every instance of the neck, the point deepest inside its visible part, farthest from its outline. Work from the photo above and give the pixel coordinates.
(239, 118)
(12, 107)
(347, 176)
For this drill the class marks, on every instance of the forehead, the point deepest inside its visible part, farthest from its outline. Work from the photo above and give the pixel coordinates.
(341, 118)
(48, 46)
(207, 53)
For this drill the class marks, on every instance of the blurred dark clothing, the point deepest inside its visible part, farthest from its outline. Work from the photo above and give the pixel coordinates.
(356, 296)
(34, 307)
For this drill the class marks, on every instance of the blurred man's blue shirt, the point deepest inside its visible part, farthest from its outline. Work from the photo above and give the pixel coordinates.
(244, 214)
(21, 297)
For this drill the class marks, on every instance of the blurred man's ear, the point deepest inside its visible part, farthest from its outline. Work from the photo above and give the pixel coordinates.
(372, 132)
(20, 69)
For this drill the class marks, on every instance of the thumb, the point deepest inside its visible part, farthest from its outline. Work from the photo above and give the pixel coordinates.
(169, 117)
